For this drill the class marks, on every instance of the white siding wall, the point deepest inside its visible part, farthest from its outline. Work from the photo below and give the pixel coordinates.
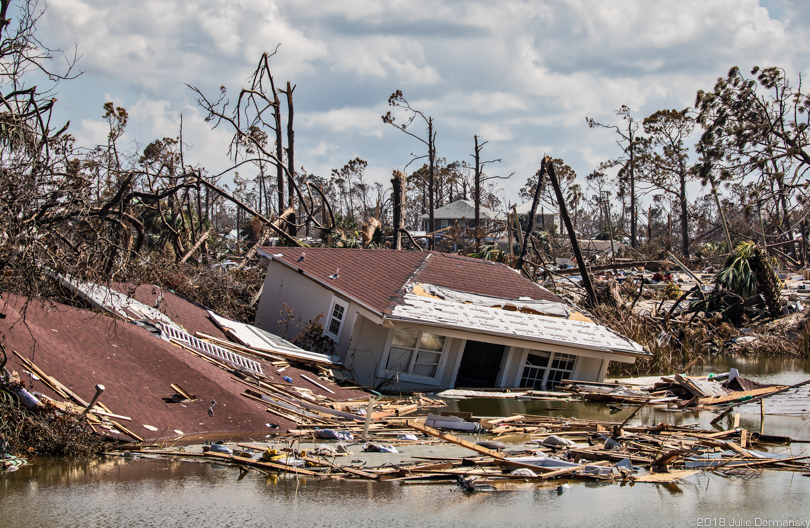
(307, 299)
(365, 351)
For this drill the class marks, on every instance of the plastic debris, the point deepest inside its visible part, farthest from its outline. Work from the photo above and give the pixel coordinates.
(379, 448)
(555, 440)
(331, 434)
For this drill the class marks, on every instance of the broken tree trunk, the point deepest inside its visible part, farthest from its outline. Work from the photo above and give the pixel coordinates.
(199, 243)
(530, 227)
(586, 279)
(283, 234)
(285, 217)
(398, 182)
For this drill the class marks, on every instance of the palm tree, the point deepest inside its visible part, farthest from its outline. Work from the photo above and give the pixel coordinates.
(747, 272)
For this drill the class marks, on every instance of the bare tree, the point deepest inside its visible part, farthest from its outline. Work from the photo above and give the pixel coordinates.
(398, 100)
(628, 144)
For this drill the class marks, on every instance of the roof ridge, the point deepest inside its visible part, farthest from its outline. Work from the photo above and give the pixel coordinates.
(397, 298)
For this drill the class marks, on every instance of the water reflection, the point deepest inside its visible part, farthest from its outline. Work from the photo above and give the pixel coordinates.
(163, 493)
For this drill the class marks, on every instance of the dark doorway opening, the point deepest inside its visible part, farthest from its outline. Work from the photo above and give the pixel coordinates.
(480, 365)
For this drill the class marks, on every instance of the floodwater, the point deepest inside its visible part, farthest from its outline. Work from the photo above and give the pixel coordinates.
(121, 492)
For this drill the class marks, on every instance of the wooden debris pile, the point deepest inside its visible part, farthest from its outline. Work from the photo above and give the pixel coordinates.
(550, 449)
(694, 392)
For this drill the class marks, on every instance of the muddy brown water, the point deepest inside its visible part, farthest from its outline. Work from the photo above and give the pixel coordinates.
(162, 493)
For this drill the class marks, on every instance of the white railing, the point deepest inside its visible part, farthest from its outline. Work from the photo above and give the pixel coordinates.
(204, 347)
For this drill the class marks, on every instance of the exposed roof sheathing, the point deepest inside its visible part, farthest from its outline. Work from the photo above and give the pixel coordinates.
(533, 327)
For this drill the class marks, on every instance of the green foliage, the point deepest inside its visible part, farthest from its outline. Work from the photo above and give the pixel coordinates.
(737, 275)
(490, 252)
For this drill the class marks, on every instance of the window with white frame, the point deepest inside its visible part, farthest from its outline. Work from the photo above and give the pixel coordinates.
(337, 314)
(545, 370)
(415, 352)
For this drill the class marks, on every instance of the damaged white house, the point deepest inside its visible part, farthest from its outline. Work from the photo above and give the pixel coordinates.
(426, 321)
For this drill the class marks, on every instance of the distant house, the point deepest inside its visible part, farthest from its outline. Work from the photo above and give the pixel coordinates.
(542, 220)
(428, 321)
(590, 247)
(461, 212)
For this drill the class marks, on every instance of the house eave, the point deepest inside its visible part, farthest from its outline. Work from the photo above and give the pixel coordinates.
(625, 353)
(376, 314)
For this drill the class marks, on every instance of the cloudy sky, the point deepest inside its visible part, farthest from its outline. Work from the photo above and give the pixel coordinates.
(523, 75)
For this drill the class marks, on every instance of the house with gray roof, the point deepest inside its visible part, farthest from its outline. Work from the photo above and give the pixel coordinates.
(544, 218)
(461, 212)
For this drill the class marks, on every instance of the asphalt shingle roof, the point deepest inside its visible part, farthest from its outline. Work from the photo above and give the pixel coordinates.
(376, 277)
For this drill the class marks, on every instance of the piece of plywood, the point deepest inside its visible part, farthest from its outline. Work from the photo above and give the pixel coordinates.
(734, 396)
(662, 478)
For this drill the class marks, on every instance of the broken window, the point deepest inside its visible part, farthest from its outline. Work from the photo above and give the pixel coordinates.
(337, 314)
(414, 352)
(546, 369)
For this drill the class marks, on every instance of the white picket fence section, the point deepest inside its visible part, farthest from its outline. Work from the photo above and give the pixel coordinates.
(204, 347)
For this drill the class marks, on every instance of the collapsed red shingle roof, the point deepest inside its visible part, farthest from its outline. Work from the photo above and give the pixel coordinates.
(82, 348)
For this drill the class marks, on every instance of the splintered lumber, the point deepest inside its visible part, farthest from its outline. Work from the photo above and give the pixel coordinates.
(261, 464)
(318, 461)
(454, 439)
(327, 389)
(669, 457)
(402, 410)
(52, 382)
(700, 388)
(179, 390)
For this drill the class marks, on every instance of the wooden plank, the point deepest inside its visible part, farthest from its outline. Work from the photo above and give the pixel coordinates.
(406, 409)
(318, 461)
(261, 464)
(734, 396)
(769, 396)
(327, 389)
(51, 381)
(454, 439)
(110, 415)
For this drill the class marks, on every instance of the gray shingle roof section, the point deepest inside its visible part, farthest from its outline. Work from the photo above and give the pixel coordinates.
(462, 209)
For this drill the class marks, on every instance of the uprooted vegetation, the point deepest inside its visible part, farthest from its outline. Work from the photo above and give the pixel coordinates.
(30, 428)
(743, 312)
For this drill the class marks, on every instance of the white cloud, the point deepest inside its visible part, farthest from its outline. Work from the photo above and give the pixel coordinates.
(520, 74)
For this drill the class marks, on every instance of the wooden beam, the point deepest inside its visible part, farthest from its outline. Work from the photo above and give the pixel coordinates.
(454, 439)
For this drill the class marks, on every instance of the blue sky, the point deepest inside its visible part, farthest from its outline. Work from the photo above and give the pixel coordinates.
(523, 75)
